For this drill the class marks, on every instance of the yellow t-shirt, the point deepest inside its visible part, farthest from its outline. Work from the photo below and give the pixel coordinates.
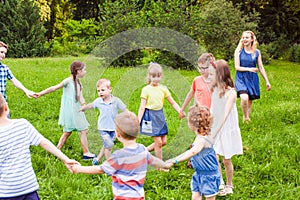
(155, 96)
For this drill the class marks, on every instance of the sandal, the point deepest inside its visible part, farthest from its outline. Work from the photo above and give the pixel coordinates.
(222, 186)
(227, 190)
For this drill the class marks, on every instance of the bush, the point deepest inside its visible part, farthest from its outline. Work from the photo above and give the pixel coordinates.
(294, 53)
(22, 29)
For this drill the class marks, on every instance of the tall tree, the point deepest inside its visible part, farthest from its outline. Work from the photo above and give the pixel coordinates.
(22, 29)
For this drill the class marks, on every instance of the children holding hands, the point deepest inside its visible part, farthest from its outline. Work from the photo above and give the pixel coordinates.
(206, 178)
(201, 87)
(72, 99)
(17, 178)
(127, 166)
(109, 107)
(150, 114)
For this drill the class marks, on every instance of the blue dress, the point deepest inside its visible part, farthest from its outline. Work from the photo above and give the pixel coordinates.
(69, 116)
(206, 178)
(248, 82)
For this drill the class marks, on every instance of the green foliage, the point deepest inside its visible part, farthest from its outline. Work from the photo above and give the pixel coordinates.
(77, 37)
(221, 25)
(268, 169)
(22, 29)
(294, 53)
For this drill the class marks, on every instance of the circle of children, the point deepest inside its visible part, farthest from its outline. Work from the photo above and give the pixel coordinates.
(213, 91)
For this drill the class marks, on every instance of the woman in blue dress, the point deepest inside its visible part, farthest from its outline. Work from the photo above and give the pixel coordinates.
(246, 59)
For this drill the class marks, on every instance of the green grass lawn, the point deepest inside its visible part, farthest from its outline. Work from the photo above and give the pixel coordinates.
(268, 169)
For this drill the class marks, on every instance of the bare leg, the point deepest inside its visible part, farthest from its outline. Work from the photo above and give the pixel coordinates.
(196, 196)
(63, 139)
(158, 147)
(101, 153)
(249, 108)
(245, 106)
(84, 141)
(107, 152)
(229, 171)
(152, 146)
(211, 198)
(221, 177)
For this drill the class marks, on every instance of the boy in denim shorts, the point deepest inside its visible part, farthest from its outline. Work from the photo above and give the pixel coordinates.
(109, 107)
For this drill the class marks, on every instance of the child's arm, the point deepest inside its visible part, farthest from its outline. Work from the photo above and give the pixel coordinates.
(142, 109)
(50, 147)
(158, 163)
(51, 89)
(241, 68)
(199, 144)
(187, 100)
(87, 169)
(20, 86)
(173, 103)
(86, 107)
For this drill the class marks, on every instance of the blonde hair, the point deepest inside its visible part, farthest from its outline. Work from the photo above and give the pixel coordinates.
(200, 118)
(154, 69)
(206, 59)
(103, 81)
(2, 44)
(254, 43)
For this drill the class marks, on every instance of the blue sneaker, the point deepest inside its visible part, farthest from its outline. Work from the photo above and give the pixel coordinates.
(95, 161)
(88, 156)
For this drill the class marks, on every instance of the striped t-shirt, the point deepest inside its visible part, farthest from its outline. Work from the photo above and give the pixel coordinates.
(128, 168)
(16, 173)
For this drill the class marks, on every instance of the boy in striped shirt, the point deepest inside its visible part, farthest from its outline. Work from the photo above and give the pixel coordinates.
(17, 177)
(127, 166)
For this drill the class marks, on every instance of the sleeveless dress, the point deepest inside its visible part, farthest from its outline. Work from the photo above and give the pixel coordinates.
(248, 82)
(206, 178)
(69, 116)
(228, 141)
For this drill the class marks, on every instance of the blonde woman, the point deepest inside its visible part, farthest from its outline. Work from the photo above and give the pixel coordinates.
(246, 59)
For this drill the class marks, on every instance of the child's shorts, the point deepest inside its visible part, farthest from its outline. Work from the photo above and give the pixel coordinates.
(32, 196)
(107, 138)
(207, 185)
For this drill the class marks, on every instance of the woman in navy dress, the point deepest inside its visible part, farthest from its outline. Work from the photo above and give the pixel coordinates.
(246, 60)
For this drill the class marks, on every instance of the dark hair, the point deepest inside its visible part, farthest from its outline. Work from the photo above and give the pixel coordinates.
(74, 68)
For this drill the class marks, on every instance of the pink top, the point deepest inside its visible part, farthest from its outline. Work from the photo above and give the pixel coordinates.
(202, 91)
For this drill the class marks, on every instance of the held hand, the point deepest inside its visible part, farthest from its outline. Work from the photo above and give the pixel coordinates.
(168, 164)
(268, 85)
(181, 114)
(30, 94)
(76, 168)
(70, 164)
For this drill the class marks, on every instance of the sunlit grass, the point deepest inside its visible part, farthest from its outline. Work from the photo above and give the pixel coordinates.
(269, 168)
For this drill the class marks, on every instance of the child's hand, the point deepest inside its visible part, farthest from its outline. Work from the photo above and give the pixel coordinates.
(70, 163)
(168, 164)
(30, 94)
(76, 168)
(268, 85)
(253, 69)
(181, 114)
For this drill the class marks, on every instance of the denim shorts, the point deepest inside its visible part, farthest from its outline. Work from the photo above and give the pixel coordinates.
(107, 138)
(207, 185)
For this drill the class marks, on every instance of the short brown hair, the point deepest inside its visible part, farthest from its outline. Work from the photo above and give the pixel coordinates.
(127, 124)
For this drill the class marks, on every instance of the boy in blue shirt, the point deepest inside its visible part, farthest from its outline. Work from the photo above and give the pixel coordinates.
(109, 107)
